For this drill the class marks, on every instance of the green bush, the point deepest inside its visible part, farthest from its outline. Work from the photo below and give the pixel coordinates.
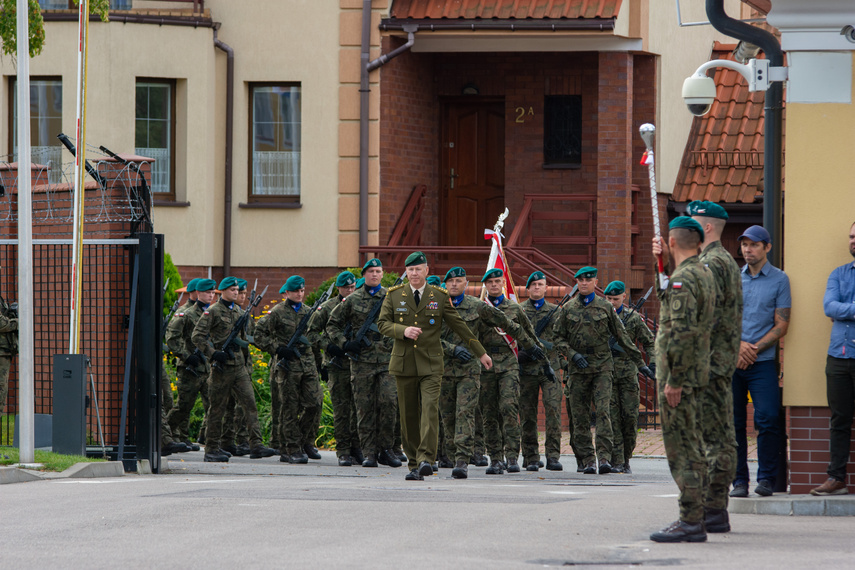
(170, 272)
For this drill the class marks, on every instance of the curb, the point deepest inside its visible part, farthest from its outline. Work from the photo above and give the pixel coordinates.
(784, 504)
(15, 475)
(77, 471)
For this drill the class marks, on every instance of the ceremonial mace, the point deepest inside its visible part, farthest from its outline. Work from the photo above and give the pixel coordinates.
(647, 132)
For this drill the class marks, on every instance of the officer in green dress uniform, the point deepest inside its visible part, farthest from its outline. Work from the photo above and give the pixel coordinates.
(413, 314)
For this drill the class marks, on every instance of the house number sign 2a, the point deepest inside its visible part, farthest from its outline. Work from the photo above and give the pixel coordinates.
(522, 113)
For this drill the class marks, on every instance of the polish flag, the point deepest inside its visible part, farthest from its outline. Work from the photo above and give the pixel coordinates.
(498, 260)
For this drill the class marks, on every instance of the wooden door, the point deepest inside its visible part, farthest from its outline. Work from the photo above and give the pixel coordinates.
(473, 170)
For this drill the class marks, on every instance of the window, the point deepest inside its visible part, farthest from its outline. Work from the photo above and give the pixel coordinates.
(45, 124)
(275, 128)
(562, 131)
(155, 133)
(67, 5)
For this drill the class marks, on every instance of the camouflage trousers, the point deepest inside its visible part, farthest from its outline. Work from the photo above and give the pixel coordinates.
(301, 399)
(189, 387)
(5, 364)
(567, 382)
(375, 396)
(458, 400)
(478, 431)
(681, 434)
(222, 383)
(582, 391)
(624, 411)
(500, 404)
(531, 386)
(716, 411)
(344, 411)
(275, 407)
(165, 390)
(235, 430)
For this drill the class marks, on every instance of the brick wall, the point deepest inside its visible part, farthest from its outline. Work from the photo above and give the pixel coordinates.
(809, 453)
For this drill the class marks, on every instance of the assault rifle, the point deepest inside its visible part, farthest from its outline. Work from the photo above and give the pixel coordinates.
(299, 333)
(251, 299)
(548, 371)
(171, 312)
(238, 327)
(369, 324)
(192, 369)
(613, 344)
(348, 330)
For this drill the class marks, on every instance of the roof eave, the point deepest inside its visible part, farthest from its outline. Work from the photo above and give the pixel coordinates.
(460, 24)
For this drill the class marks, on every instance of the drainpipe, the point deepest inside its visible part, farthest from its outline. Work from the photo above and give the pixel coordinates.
(773, 109)
(367, 66)
(230, 112)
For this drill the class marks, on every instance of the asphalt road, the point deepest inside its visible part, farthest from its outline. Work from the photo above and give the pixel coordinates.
(261, 513)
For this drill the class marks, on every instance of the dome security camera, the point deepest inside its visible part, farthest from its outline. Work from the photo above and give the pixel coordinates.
(699, 94)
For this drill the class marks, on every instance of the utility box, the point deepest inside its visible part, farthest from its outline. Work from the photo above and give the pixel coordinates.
(69, 403)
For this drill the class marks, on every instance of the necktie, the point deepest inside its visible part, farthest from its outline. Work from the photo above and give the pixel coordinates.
(417, 297)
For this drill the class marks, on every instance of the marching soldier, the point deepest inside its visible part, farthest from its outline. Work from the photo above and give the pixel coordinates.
(686, 317)
(500, 391)
(582, 330)
(413, 315)
(8, 346)
(295, 376)
(193, 368)
(337, 371)
(533, 381)
(374, 393)
(235, 435)
(228, 372)
(461, 381)
(625, 397)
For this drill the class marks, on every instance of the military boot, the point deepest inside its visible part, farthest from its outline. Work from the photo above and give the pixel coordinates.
(345, 461)
(513, 466)
(370, 461)
(173, 447)
(216, 456)
(260, 451)
(356, 455)
(626, 468)
(243, 449)
(532, 466)
(716, 520)
(605, 466)
(387, 457)
(495, 468)
(311, 452)
(679, 531)
(399, 453)
(230, 449)
(445, 462)
(479, 460)
(298, 458)
(553, 465)
(590, 468)
(460, 470)
(191, 445)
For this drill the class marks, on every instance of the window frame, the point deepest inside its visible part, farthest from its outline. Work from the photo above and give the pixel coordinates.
(162, 197)
(559, 164)
(270, 200)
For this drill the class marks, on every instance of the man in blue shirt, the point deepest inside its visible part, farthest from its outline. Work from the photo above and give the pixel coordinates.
(765, 319)
(839, 305)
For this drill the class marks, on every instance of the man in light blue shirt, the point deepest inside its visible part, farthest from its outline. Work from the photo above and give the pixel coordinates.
(839, 305)
(765, 319)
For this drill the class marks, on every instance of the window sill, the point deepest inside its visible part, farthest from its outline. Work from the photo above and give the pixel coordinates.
(271, 205)
(562, 166)
(170, 204)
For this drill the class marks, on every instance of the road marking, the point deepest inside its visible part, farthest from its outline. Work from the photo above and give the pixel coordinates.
(568, 492)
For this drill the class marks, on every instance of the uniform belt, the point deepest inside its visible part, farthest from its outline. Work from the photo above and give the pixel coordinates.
(497, 348)
(594, 349)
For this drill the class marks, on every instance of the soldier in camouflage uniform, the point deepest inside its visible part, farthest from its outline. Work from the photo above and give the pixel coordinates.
(717, 402)
(686, 317)
(500, 386)
(228, 372)
(625, 397)
(533, 381)
(582, 331)
(337, 371)
(235, 431)
(375, 394)
(8, 346)
(461, 381)
(295, 376)
(193, 370)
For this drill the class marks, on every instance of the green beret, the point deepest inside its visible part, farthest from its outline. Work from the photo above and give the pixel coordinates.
(586, 271)
(227, 282)
(495, 272)
(206, 285)
(455, 272)
(415, 258)
(192, 285)
(344, 279)
(294, 283)
(360, 282)
(688, 223)
(615, 288)
(534, 277)
(434, 280)
(706, 209)
(242, 283)
(371, 263)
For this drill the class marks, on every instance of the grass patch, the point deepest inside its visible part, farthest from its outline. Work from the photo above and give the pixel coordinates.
(50, 461)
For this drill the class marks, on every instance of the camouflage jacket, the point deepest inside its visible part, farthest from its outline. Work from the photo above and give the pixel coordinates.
(354, 310)
(585, 329)
(473, 310)
(637, 331)
(495, 345)
(727, 323)
(318, 335)
(276, 328)
(179, 333)
(214, 327)
(535, 316)
(8, 330)
(686, 313)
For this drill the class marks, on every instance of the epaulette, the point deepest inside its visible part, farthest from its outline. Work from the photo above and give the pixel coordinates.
(440, 289)
(396, 287)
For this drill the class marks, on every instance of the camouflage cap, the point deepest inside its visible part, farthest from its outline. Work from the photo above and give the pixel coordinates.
(615, 288)
(495, 272)
(687, 223)
(344, 279)
(706, 209)
(415, 258)
(192, 285)
(227, 282)
(206, 285)
(455, 272)
(537, 275)
(294, 283)
(586, 271)
(374, 262)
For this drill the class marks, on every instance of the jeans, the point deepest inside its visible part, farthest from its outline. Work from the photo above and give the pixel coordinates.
(761, 380)
(840, 389)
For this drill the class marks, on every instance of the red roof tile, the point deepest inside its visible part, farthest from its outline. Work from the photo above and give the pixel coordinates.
(723, 159)
(504, 9)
